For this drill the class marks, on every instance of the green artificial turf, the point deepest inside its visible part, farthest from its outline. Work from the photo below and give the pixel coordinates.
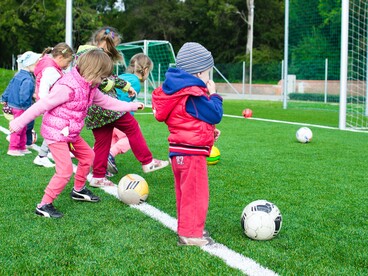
(319, 187)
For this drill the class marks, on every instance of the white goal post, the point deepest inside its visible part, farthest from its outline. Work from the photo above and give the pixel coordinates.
(354, 65)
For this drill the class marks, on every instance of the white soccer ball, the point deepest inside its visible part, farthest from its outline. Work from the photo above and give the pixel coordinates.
(261, 220)
(304, 135)
(133, 189)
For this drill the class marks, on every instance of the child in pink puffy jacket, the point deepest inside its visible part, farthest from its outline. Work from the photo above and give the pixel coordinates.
(64, 109)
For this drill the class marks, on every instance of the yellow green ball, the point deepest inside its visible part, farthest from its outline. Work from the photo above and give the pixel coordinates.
(214, 157)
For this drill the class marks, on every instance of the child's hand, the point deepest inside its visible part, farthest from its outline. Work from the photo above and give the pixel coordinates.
(131, 92)
(211, 86)
(217, 134)
(11, 130)
(141, 106)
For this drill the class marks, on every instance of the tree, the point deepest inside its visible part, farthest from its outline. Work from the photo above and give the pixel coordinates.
(34, 25)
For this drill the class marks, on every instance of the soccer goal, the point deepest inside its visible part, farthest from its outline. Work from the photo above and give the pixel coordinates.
(354, 65)
(162, 55)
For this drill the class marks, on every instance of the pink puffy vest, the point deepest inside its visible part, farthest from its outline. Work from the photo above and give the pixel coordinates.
(70, 114)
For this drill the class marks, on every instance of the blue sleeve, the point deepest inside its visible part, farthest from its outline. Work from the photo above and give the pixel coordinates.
(206, 109)
(5, 95)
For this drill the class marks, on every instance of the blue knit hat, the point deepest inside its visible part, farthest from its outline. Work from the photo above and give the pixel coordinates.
(28, 58)
(194, 58)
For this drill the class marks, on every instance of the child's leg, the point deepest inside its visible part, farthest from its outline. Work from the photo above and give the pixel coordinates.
(64, 170)
(42, 159)
(129, 125)
(85, 156)
(18, 139)
(101, 149)
(120, 143)
(29, 133)
(44, 149)
(192, 194)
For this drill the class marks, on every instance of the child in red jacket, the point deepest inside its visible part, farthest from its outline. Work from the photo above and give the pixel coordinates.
(187, 102)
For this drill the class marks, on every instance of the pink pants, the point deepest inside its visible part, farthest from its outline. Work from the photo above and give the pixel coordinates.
(192, 194)
(64, 167)
(119, 143)
(18, 140)
(103, 135)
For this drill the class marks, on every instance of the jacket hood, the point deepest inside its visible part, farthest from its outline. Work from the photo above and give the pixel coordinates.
(163, 104)
(177, 79)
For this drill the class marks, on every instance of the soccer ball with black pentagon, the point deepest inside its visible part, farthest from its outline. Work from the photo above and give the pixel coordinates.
(261, 220)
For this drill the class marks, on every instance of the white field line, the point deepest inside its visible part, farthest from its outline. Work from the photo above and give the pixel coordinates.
(294, 123)
(230, 257)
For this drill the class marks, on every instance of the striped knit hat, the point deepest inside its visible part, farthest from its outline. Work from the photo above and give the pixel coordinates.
(194, 58)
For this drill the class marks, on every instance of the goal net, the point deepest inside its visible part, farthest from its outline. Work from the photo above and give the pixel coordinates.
(162, 56)
(357, 66)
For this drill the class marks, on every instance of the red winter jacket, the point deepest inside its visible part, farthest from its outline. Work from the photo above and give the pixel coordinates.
(188, 135)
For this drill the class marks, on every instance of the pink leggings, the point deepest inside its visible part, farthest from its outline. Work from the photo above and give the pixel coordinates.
(64, 167)
(119, 143)
(18, 139)
(192, 194)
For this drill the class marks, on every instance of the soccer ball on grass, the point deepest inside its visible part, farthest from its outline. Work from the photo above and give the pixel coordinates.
(261, 220)
(304, 135)
(214, 157)
(247, 113)
(133, 189)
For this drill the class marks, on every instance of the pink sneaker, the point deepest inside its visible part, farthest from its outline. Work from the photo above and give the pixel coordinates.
(155, 165)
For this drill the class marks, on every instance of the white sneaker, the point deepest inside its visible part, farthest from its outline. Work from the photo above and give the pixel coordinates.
(43, 161)
(155, 165)
(26, 151)
(15, 153)
(195, 241)
(100, 182)
(33, 146)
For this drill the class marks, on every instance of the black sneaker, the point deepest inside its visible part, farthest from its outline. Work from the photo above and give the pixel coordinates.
(84, 195)
(49, 211)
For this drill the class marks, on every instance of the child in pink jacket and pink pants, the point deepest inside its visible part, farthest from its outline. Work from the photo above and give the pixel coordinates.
(64, 111)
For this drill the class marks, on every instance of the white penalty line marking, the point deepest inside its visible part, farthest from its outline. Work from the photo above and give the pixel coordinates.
(230, 257)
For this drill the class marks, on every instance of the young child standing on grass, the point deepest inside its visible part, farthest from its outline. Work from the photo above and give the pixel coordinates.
(139, 68)
(103, 121)
(18, 97)
(187, 102)
(47, 71)
(64, 109)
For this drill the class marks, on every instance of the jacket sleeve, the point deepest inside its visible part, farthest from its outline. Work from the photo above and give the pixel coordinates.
(207, 109)
(49, 102)
(49, 76)
(5, 95)
(111, 103)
